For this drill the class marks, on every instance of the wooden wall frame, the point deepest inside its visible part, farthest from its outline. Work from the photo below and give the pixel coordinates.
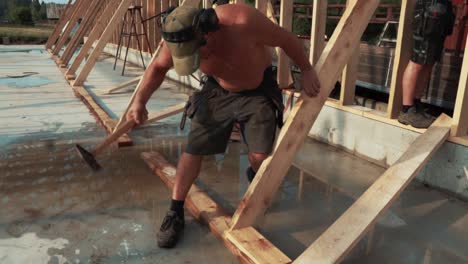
(87, 23)
(460, 113)
(60, 24)
(79, 12)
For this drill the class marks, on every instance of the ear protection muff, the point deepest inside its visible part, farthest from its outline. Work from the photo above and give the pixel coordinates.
(206, 20)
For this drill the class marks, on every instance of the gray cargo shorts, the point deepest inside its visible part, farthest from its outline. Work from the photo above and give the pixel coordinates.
(218, 110)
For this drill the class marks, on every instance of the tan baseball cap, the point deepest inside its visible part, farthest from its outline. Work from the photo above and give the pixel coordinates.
(185, 53)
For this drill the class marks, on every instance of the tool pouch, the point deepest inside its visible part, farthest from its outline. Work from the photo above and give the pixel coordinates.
(195, 101)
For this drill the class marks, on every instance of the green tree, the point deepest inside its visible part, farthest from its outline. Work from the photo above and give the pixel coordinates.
(36, 10)
(21, 15)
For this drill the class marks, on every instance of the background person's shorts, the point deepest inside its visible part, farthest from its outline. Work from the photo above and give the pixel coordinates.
(219, 110)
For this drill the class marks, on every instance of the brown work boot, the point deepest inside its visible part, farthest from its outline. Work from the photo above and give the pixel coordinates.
(416, 118)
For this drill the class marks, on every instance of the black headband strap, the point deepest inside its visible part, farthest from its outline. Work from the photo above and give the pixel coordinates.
(183, 35)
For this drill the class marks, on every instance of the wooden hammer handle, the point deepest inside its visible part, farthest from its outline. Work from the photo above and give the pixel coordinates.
(126, 126)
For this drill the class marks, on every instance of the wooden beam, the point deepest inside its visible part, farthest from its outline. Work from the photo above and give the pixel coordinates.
(151, 23)
(252, 244)
(460, 113)
(100, 114)
(284, 67)
(79, 12)
(60, 24)
(262, 5)
(86, 25)
(202, 207)
(123, 85)
(102, 42)
(403, 52)
(93, 36)
(319, 22)
(349, 77)
(337, 52)
(167, 112)
(333, 245)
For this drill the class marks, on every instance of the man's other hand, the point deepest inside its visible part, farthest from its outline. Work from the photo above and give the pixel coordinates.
(310, 82)
(137, 113)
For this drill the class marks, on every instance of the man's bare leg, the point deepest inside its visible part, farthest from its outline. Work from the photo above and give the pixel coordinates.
(424, 80)
(187, 171)
(415, 79)
(255, 160)
(173, 224)
(410, 82)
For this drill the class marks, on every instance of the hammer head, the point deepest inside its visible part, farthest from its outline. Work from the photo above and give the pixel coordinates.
(88, 158)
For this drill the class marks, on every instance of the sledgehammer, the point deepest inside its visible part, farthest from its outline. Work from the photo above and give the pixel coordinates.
(90, 156)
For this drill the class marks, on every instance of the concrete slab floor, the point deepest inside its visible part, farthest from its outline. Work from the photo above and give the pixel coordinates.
(53, 209)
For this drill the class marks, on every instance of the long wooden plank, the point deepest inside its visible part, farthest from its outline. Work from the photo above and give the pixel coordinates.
(337, 52)
(256, 247)
(333, 245)
(319, 22)
(167, 112)
(60, 24)
(79, 12)
(199, 204)
(102, 42)
(262, 5)
(402, 56)
(460, 113)
(86, 25)
(349, 77)
(284, 66)
(93, 36)
(122, 85)
(100, 114)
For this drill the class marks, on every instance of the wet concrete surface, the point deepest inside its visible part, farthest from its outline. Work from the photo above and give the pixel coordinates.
(54, 209)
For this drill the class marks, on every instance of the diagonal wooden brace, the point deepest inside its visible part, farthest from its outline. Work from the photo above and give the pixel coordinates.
(334, 244)
(335, 56)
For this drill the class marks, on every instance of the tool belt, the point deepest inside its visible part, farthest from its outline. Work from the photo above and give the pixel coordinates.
(433, 18)
(209, 90)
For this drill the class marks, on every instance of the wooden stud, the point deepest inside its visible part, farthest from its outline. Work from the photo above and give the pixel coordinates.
(102, 42)
(84, 28)
(204, 209)
(151, 23)
(252, 244)
(337, 52)
(349, 77)
(402, 56)
(122, 85)
(460, 113)
(262, 5)
(79, 12)
(60, 24)
(319, 22)
(284, 67)
(100, 114)
(333, 245)
(93, 36)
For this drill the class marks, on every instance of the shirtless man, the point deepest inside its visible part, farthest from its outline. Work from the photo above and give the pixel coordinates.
(230, 45)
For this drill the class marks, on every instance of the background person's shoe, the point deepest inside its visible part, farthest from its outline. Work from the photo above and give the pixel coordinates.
(415, 118)
(171, 230)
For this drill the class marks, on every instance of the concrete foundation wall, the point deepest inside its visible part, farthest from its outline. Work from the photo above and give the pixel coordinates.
(378, 142)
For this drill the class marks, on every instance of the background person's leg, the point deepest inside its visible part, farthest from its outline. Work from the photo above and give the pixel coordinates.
(410, 82)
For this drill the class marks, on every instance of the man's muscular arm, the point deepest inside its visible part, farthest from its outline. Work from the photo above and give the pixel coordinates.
(152, 79)
(267, 33)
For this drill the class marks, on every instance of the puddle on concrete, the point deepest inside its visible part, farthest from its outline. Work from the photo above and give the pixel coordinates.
(25, 82)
